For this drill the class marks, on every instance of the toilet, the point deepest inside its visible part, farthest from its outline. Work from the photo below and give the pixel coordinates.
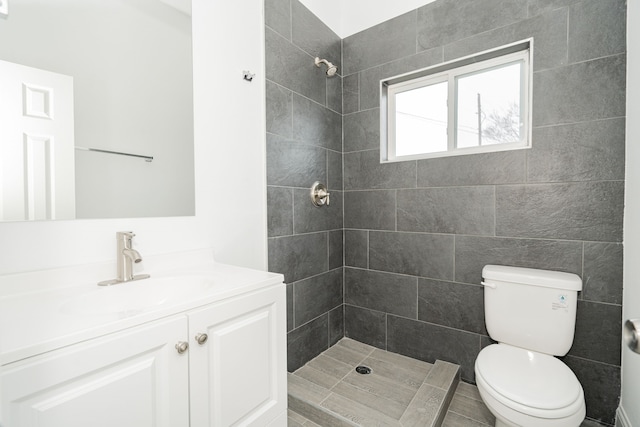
(531, 314)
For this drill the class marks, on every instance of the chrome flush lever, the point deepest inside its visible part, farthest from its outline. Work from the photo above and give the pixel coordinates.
(319, 194)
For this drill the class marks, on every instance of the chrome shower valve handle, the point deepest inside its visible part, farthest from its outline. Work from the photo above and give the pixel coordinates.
(319, 194)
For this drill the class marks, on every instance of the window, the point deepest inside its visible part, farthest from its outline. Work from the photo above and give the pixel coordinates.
(473, 105)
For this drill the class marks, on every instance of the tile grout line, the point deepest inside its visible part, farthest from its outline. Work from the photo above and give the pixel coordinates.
(468, 418)
(347, 374)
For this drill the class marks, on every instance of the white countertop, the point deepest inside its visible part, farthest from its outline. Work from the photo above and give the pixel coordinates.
(46, 310)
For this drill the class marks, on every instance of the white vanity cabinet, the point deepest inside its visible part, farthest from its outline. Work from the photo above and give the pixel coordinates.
(233, 376)
(238, 376)
(132, 378)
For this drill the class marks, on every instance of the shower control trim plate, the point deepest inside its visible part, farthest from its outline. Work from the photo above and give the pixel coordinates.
(319, 194)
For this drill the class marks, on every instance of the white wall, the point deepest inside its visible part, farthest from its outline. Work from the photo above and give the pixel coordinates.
(229, 164)
(631, 298)
(349, 17)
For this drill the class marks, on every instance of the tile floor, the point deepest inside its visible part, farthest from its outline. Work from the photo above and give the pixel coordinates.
(383, 397)
(466, 410)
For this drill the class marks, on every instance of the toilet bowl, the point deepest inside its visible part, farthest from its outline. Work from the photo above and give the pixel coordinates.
(528, 389)
(531, 314)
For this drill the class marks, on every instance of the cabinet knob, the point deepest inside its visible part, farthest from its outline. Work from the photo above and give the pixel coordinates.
(182, 346)
(202, 338)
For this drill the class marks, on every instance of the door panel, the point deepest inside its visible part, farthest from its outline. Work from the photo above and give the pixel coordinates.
(37, 168)
(629, 411)
(134, 378)
(238, 377)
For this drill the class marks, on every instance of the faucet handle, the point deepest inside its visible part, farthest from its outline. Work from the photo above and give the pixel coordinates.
(124, 240)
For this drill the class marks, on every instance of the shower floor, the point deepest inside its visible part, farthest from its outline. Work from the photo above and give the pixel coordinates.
(399, 391)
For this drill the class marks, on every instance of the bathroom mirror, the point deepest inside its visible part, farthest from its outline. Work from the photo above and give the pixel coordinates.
(96, 109)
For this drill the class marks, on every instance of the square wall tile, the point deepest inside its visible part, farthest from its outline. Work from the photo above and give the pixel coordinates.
(334, 93)
(293, 164)
(598, 332)
(435, 342)
(306, 342)
(277, 16)
(336, 325)
(603, 266)
(362, 130)
(580, 92)
(336, 249)
(279, 211)
(392, 39)
(356, 248)
(291, 67)
(363, 171)
(446, 21)
(364, 325)
(549, 32)
(334, 170)
(351, 93)
(597, 29)
(317, 295)
(416, 254)
(315, 124)
(279, 101)
(309, 218)
(370, 78)
(538, 7)
(459, 210)
(370, 209)
(290, 318)
(589, 151)
(389, 293)
(574, 211)
(601, 384)
(452, 304)
(313, 36)
(299, 257)
(473, 253)
(504, 167)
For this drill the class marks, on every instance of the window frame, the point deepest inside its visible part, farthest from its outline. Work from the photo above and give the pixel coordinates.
(449, 72)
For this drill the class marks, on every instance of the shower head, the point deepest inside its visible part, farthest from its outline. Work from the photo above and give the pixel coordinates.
(331, 69)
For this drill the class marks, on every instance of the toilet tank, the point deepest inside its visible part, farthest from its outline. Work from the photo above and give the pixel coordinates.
(530, 308)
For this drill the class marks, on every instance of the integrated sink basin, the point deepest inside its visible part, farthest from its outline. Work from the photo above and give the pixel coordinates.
(46, 310)
(135, 297)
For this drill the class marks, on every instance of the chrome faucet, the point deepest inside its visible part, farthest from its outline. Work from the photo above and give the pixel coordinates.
(126, 256)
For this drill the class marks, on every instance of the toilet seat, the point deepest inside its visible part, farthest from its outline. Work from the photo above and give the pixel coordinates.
(531, 383)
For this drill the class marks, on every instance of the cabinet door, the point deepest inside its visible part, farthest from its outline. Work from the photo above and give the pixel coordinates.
(134, 378)
(238, 377)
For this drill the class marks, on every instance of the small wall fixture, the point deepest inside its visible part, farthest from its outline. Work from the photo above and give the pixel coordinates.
(331, 69)
(319, 194)
(247, 75)
(97, 150)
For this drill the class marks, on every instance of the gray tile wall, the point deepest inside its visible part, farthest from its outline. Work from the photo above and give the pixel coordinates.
(417, 234)
(304, 144)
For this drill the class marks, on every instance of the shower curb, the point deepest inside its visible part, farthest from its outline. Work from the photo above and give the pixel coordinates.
(428, 407)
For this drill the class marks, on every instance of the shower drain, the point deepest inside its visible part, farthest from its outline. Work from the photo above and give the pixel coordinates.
(363, 370)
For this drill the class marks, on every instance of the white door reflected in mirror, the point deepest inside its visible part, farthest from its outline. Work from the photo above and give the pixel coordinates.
(37, 149)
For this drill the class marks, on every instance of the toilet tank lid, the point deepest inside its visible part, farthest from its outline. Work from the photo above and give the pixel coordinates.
(532, 276)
